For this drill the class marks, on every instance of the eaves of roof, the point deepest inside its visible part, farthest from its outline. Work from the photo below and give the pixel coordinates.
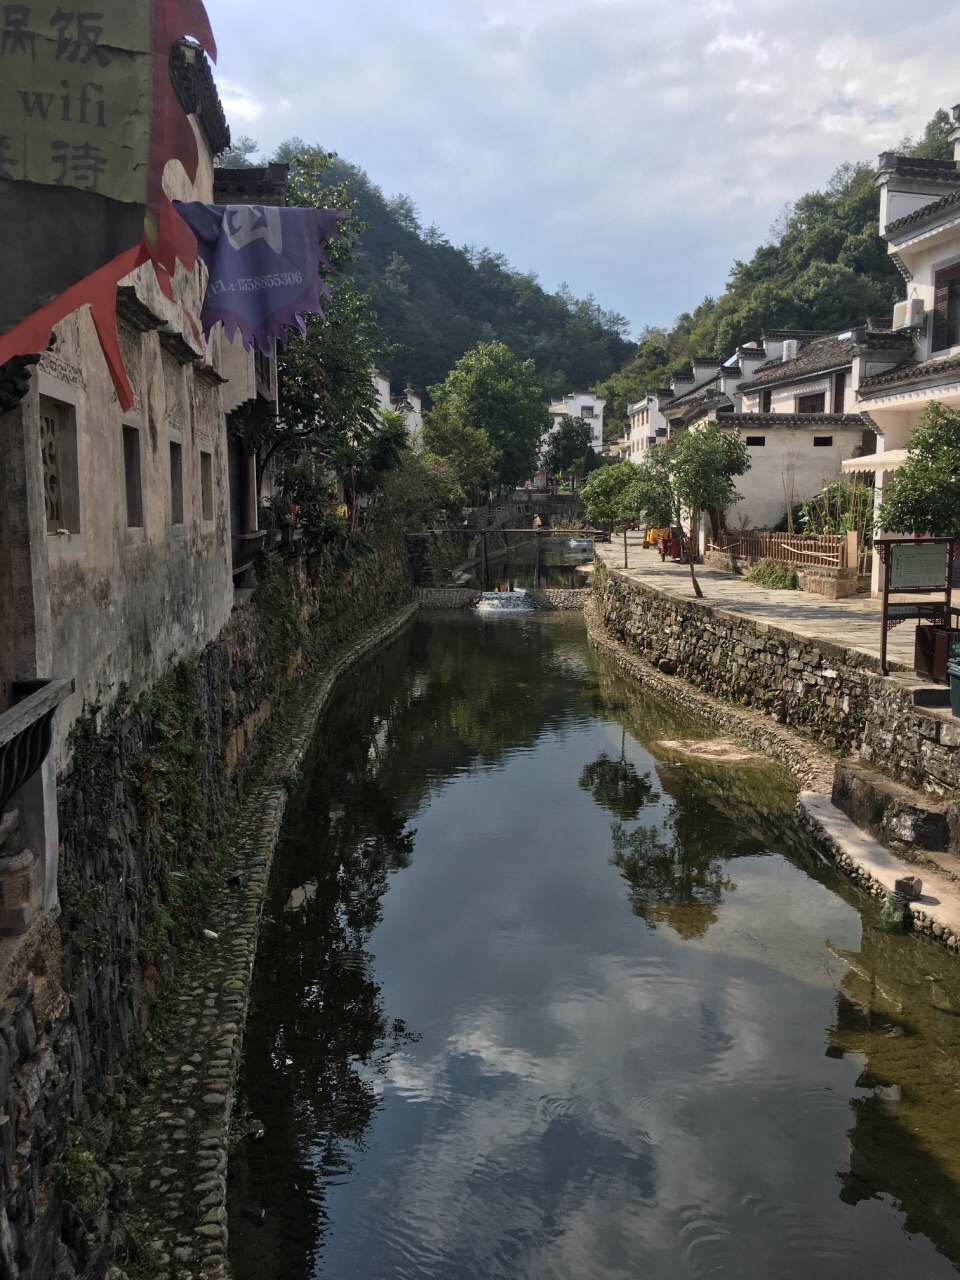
(841, 421)
(928, 213)
(911, 372)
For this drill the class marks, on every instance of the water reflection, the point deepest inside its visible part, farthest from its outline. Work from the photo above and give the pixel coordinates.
(472, 1062)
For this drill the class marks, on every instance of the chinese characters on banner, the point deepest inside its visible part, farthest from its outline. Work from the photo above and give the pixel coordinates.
(88, 120)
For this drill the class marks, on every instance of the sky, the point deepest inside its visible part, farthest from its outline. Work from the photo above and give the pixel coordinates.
(631, 149)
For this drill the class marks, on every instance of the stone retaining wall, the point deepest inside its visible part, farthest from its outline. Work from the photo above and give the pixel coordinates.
(447, 598)
(826, 691)
(812, 766)
(565, 598)
(143, 816)
(177, 1141)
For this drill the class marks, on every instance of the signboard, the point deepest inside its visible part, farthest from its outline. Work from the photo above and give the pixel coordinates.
(919, 566)
(88, 120)
(933, 612)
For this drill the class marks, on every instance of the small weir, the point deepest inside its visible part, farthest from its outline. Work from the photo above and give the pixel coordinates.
(544, 991)
(515, 601)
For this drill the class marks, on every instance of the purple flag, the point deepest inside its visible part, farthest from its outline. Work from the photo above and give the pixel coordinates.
(264, 266)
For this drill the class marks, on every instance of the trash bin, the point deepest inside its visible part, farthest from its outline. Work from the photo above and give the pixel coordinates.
(953, 675)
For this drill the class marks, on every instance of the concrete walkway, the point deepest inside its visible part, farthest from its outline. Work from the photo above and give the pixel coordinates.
(853, 623)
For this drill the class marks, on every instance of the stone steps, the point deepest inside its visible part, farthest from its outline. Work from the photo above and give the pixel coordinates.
(916, 826)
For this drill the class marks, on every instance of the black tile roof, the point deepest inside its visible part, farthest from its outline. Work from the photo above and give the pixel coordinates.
(842, 421)
(925, 214)
(911, 371)
(696, 404)
(947, 171)
(816, 356)
(196, 91)
(802, 335)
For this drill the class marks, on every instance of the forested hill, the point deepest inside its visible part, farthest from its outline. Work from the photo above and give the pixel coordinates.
(434, 301)
(824, 266)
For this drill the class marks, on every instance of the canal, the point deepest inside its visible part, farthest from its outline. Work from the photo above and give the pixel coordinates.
(540, 996)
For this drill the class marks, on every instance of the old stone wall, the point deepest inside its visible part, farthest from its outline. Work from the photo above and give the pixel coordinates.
(827, 691)
(151, 786)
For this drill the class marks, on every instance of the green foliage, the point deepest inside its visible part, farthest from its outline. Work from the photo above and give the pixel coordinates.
(841, 506)
(426, 490)
(567, 445)
(702, 466)
(436, 301)
(924, 494)
(617, 787)
(934, 143)
(239, 155)
(330, 421)
(778, 575)
(469, 450)
(603, 492)
(491, 389)
(650, 496)
(77, 1175)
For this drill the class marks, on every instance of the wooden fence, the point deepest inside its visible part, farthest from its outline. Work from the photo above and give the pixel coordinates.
(837, 549)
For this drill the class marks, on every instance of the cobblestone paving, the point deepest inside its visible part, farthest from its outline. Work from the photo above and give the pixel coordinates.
(179, 1125)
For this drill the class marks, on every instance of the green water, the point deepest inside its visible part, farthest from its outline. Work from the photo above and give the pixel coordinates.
(539, 997)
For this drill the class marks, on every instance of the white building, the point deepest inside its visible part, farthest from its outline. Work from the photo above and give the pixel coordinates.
(790, 398)
(920, 220)
(585, 405)
(409, 404)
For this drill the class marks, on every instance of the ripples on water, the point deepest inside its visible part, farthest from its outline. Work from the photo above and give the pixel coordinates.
(538, 998)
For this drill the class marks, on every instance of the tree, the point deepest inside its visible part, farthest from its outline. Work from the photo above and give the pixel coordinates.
(924, 495)
(702, 465)
(567, 444)
(650, 495)
(491, 389)
(425, 489)
(329, 416)
(603, 492)
(238, 154)
(467, 449)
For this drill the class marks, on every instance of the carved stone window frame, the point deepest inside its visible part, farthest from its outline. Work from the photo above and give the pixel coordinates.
(67, 398)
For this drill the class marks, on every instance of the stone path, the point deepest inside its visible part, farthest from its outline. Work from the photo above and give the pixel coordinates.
(853, 622)
(179, 1130)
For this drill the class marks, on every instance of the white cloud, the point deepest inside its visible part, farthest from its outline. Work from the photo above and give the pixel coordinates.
(631, 149)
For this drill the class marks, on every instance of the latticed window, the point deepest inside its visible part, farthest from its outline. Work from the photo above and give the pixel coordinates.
(58, 451)
(946, 308)
(812, 403)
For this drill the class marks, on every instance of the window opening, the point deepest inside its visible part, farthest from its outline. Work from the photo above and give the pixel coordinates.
(131, 476)
(176, 482)
(61, 477)
(206, 485)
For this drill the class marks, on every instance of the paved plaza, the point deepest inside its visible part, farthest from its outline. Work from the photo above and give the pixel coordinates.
(853, 623)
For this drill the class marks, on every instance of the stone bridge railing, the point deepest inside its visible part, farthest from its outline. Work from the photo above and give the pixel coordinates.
(525, 502)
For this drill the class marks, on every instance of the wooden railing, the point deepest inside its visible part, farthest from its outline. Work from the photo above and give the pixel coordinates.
(25, 732)
(829, 549)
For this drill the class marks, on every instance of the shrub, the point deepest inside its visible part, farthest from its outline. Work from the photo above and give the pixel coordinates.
(778, 575)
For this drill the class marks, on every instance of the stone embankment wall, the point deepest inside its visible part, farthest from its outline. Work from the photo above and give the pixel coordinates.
(824, 690)
(143, 814)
